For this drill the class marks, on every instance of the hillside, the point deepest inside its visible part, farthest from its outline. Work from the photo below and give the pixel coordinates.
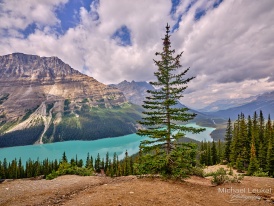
(94, 190)
(42, 100)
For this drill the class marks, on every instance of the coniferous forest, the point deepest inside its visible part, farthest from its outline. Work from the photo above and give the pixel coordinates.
(248, 146)
(110, 166)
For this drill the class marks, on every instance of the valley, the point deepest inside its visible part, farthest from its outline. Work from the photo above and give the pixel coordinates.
(137, 103)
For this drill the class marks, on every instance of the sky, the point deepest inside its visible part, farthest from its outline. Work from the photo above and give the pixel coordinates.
(228, 44)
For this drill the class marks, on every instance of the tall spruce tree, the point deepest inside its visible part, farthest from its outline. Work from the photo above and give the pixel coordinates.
(270, 157)
(228, 140)
(253, 165)
(214, 154)
(163, 153)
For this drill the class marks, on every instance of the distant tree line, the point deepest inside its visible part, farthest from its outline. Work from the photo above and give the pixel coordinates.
(50, 169)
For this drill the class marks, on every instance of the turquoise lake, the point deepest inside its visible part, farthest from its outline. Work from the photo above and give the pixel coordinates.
(81, 148)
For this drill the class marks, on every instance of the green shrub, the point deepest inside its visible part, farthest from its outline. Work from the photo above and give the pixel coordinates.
(69, 169)
(198, 171)
(236, 178)
(219, 177)
(260, 173)
(52, 175)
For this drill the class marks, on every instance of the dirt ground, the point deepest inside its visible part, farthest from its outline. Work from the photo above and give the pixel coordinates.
(93, 190)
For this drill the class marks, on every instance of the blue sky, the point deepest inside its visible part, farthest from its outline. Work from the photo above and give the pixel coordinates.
(227, 44)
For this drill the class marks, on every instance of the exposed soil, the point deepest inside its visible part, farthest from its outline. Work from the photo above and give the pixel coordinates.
(130, 190)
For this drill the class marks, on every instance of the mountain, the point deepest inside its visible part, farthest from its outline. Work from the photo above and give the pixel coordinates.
(224, 104)
(136, 93)
(43, 99)
(264, 102)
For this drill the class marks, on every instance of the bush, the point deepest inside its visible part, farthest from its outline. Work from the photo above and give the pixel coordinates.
(260, 173)
(52, 175)
(198, 171)
(219, 177)
(236, 178)
(69, 169)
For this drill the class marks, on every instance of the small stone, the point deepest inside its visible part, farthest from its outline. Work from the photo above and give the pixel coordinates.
(7, 188)
(131, 192)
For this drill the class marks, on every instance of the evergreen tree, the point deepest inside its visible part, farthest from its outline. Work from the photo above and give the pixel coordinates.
(220, 152)
(268, 131)
(214, 153)
(208, 152)
(249, 136)
(97, 163)
(88, 162)
(114, 164)
(64, 158)
(80, 163)
(239, 164)
(203, 153)
(262, 156)
(234, 148)
(1, 171)
(261, 126)
(102, 164)
(262, 142)
(253, 165)
(126, 165)
(162, 118)
(228, 140)
(107, 162)
(243, 141)
(255, 132)
(5, 169)
(270, 157)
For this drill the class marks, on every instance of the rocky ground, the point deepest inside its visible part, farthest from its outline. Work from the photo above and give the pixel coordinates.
(130, 190)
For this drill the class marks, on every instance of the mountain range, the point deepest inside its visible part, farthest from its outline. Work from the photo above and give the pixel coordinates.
(43, 99)
(224, 104)
(263, 102)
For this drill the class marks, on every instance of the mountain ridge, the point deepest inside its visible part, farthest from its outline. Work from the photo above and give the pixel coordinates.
(263, 102)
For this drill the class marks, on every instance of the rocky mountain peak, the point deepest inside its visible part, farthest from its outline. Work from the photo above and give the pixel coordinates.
(32, 67)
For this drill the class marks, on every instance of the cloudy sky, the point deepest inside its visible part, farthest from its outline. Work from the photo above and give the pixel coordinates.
(228, 45)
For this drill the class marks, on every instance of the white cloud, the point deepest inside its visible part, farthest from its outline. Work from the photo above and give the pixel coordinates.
(228, 48)
(15, 14)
